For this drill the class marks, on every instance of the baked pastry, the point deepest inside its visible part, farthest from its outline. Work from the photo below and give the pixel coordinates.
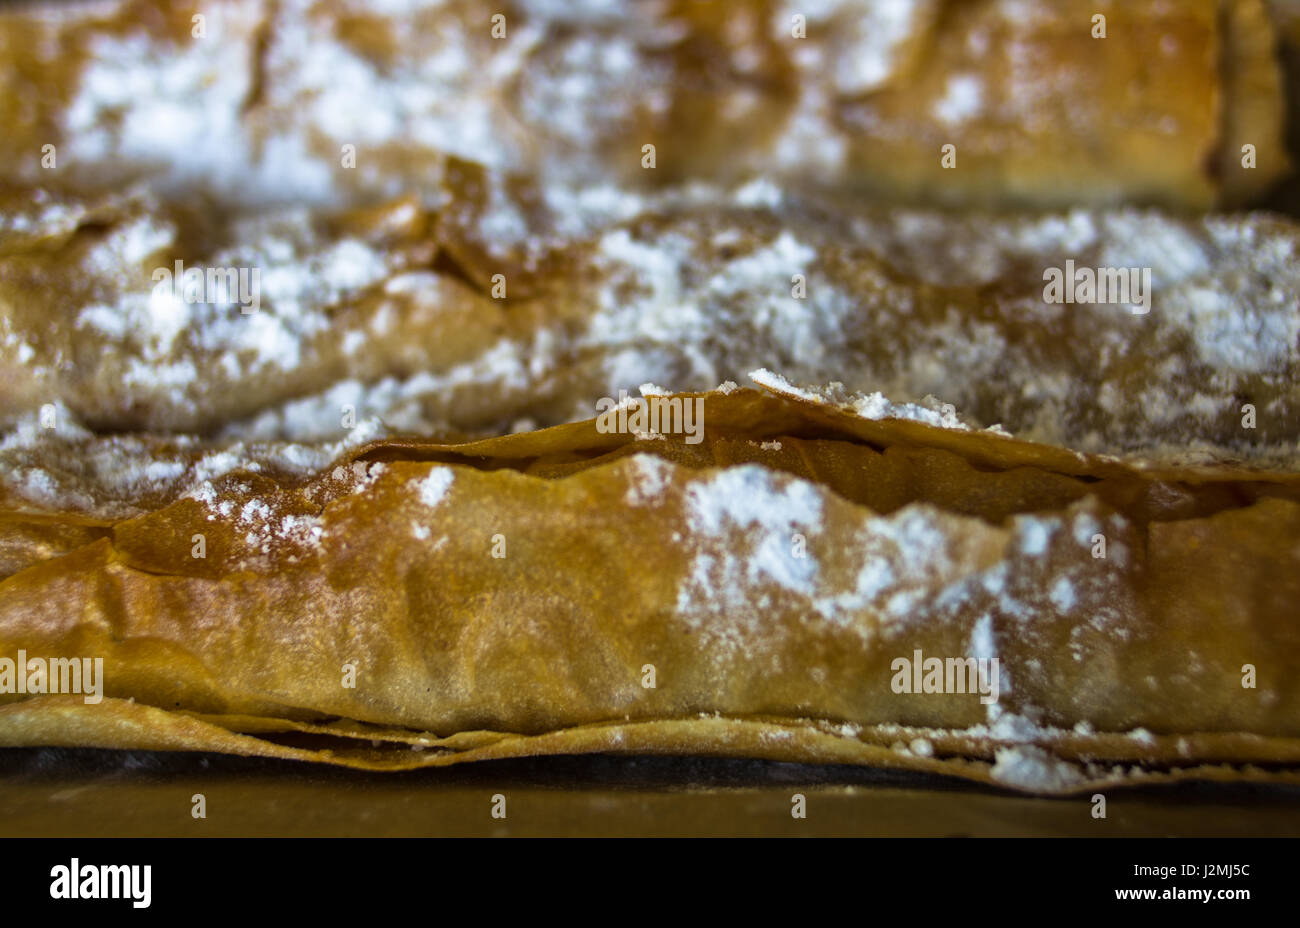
(367, 464)
(389, 311)
(750, 593)
(329, 100)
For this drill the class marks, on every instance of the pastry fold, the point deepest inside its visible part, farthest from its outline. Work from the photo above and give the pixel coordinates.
(747, 593)
(328, 101)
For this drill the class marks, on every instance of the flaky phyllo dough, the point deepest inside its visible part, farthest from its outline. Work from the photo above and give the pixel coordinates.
(855, 94)
(407, 603)
(514, 449)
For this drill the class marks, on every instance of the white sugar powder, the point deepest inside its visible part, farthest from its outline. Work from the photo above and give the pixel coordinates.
(433, 488)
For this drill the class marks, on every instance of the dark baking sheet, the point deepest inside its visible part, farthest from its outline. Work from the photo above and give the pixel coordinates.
(74, 793)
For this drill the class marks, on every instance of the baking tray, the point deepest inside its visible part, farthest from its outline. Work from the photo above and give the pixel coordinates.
(93, 793)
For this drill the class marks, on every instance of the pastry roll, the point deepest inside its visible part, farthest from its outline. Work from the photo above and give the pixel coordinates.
(776, 584)
(327, 101)
(437, 322)
(134, 316)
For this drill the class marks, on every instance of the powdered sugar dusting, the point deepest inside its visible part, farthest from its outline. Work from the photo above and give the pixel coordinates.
(433, 488)
(1033, 768)
(868, 406)
(649, 477)
(745, 524)
(962, 99)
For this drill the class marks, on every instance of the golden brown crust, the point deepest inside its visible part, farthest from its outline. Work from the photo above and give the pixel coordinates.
(1254, 107)
(385, 563)
(425, 317)
(1041, 112)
